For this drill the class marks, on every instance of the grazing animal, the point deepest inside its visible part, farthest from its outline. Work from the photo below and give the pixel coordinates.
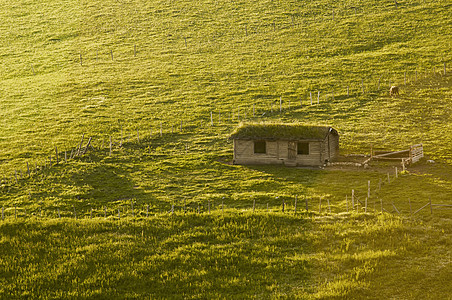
(394, 91)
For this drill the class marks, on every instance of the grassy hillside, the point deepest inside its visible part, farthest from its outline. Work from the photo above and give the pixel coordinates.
(126, 69)
(149, 74)
(237, 255)
(236, 54)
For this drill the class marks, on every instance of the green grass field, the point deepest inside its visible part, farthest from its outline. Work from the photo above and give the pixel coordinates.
(233, 254)
(132, 69)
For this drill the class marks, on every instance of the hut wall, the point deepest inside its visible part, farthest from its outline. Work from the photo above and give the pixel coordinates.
(272, 149)
(283, 151)
(244, 153)
(277, 152)
(313, 159)
(333, 141)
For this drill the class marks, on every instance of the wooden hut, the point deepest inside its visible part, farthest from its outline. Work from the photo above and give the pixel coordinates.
(288, 144)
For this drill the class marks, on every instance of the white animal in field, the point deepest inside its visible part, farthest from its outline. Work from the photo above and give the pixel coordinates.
(394, 91)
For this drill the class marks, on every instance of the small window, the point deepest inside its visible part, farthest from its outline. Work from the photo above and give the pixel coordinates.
(260, 147)
(302, 148)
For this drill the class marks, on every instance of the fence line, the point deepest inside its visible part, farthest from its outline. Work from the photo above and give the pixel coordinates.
(196, 207)
(254, 109)
(81, 151)
(354, 202)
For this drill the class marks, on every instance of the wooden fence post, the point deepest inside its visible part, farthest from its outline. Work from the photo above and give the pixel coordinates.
(320, 204)
(368, 189)
(283, 204)
(395, 207)
(318, 97)
(365, 206)
(353, 200)
(80, 145)
(329, 207)
(396, 173)
(295, 209)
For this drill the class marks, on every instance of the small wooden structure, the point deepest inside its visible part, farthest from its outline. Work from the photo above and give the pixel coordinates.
(288, 144)
(408, 156)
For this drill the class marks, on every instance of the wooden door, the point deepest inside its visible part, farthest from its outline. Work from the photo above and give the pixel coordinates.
(292, 151)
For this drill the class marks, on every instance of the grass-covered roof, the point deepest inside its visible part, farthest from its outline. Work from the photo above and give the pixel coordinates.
(275, 131)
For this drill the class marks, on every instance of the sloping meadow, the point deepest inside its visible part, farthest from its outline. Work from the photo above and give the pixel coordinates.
(238, 255)
(102, 67)
(162, 212)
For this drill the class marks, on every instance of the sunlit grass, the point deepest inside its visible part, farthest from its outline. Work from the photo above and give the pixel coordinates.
(119, 69)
